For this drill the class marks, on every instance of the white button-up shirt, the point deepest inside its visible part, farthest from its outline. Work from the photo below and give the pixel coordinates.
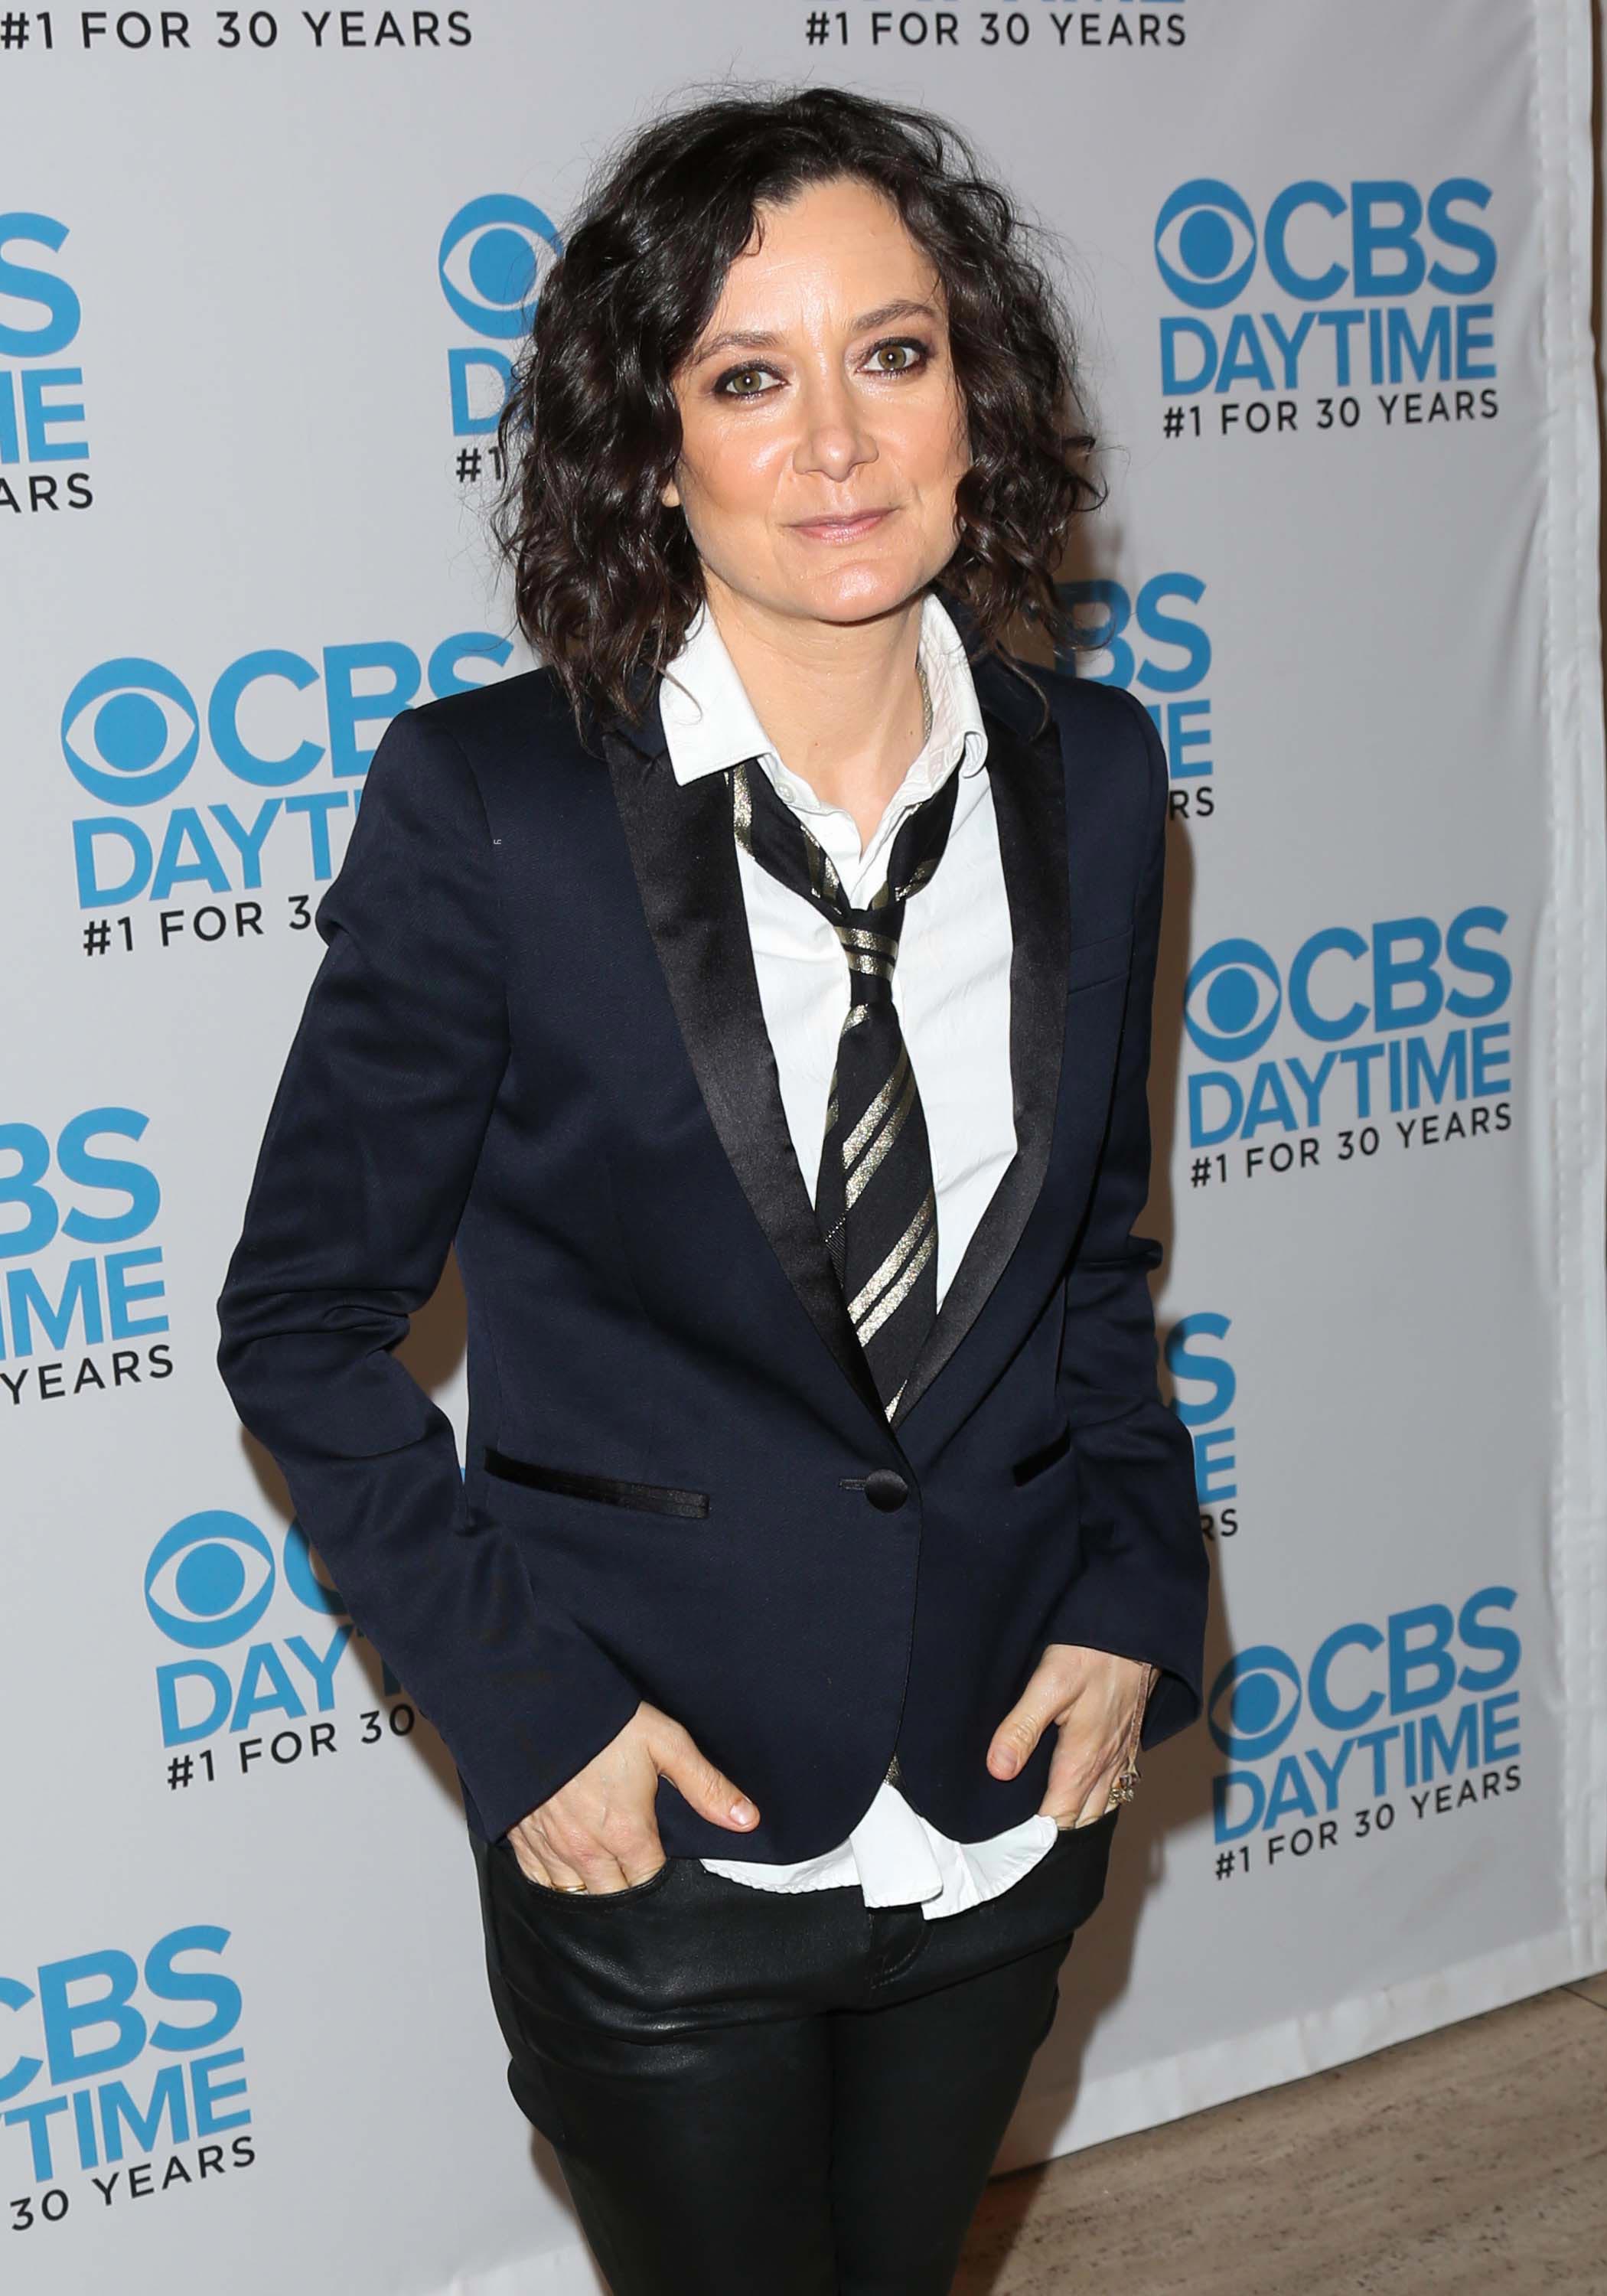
(951, 990)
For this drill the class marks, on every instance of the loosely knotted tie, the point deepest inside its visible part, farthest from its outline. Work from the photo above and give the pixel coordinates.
(874, 1194)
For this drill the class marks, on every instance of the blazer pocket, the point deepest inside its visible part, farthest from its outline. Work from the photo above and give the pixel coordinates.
(1097, 961)
(570, 1483)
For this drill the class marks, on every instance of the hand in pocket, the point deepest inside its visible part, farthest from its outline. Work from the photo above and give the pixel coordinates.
(599, 1831)
(1096, 1701)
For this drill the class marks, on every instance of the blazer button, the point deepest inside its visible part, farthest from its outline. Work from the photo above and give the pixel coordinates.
(886, 1489)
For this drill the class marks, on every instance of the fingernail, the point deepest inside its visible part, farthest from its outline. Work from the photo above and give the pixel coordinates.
(1005, 1763)
(742, 1813)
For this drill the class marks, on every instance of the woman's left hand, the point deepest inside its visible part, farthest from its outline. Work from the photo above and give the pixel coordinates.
(1097, 1702)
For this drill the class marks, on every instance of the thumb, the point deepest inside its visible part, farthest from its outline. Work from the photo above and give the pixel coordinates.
(1019, 1733)
(709, 1791)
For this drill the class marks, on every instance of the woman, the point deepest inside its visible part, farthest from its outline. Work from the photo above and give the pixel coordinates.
(760, 996)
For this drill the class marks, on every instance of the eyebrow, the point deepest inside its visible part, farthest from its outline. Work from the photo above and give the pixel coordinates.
(767, 339)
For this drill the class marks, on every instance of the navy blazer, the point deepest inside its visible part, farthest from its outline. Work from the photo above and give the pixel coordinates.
(536, 1032)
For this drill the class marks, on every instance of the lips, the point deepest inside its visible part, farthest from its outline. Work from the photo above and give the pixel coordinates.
(848, 528)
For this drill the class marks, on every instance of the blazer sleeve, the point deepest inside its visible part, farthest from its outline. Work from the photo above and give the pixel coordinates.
(368, 1160)
(1144, 1584)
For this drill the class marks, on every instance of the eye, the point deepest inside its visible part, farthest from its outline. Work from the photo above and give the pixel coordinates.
(209, 1580)
(494, 256)
(899, 358)
(129, 732)
(746, 382)
(1255, 1702)
(1232, 1000)
(1205, 244)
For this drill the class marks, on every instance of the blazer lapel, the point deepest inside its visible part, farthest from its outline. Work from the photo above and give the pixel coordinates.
(1027, 780)
(683, 855)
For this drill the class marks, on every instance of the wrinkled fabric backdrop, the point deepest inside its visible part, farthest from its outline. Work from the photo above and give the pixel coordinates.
(260, 274)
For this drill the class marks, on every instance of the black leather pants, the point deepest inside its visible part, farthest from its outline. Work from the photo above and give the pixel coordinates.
(757, 2095)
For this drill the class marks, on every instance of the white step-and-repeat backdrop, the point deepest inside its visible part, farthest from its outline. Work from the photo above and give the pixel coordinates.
(261, 270)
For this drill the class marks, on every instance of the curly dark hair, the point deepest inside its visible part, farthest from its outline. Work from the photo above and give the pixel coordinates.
(606, 579)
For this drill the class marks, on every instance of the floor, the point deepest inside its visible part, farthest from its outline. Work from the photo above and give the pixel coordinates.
(1473, 2159)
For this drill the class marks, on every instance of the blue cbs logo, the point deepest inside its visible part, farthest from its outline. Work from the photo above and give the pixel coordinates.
(210, 1579)
(494, 255)
(1234, 999)
(118, 2053)
(1234, 996)
(132, 732)
(33, 288)
(1416, 1659)
(41, 409)
(131, 729)
(208, 1583)
(84, 1189)
(1317, 242)
(1420, 1697)
(1197, 1361)
(1364, 1002)
(1154, 641)
(1255, 1702)
(1347, 261)
(1205, 244)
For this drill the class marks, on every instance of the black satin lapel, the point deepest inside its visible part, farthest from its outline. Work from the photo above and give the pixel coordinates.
(684, 858)
(1028, 786)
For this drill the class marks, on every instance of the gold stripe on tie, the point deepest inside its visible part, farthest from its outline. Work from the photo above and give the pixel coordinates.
(880, 968)
(741, 809)
(864, 1172)
(895, 1259)
(877, 1110)
(857, 937)
(891, 1301)
(822, 876)
(851, 1019)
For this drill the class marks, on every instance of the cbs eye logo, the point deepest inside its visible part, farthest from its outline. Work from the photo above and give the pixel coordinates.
(1205, 244)
(494, 256)
(130, 732)
(210, 1579)
(1233, 999)
(1255, 1702)
(212, 1576)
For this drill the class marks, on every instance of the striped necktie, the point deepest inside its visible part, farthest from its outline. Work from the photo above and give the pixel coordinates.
(873, 1196)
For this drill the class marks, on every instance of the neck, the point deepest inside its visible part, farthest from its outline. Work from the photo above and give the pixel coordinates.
(841, 701)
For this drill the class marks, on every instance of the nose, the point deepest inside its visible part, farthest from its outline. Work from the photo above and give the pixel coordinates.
(835, 439)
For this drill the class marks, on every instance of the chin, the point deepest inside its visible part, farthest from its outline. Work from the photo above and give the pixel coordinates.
(860, 593)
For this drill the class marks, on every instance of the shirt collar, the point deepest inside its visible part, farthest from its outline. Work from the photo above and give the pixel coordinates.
(710, 723)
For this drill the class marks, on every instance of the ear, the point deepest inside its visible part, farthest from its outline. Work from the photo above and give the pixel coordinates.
(669, 494)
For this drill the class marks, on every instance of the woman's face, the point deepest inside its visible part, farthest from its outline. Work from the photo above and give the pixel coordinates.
(822, 429)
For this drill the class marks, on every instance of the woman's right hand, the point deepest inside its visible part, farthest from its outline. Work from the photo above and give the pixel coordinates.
(599, 1829)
